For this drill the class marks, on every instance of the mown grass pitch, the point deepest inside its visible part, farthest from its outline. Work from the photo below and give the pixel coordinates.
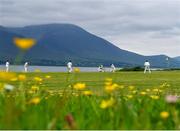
(122, 100)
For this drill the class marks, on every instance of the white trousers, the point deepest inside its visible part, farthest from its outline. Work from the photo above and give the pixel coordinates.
(70, 69)
(25, 69)
(7, 69)
(113, 69)
(147, 68)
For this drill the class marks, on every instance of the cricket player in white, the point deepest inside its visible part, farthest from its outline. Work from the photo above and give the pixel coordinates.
(26, 67)
(7, 66)
(99, 69)
(102, 68)
(113, 68)
(147, 67)
(69, 66)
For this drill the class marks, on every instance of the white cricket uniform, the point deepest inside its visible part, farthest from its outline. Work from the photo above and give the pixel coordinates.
(26, 67)
(147, 67)
(102, 68)
(113, 68)
(99, 69)
(69, 66)
(7, 66)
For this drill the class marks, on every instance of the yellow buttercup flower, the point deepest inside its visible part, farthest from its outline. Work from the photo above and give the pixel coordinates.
(156, 90)
(46, 98)
(154, 97)
(129, 96)
(131, 87)
(104, 104)
(164, 114)
(34, 88)
(30, 92)
(24, 43)
(76, 70)
(121, 86)
(134, 91)
(160, 91)
(148, 90)
(143, 93)
(107, 103)
(35, 101)
(14, 79)
(108, 83)
(87, 93)
(7, 75)
(21, 77)
(79, 86)
(47, 76)
(38, 79)
(111, 88)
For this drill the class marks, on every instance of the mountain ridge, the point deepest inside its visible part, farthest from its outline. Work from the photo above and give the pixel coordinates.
(57, 43)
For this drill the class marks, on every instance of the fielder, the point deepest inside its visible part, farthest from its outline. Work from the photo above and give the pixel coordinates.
(69, 66)
(113, 68)
(26, 67)
(7, 66)
(147, 66)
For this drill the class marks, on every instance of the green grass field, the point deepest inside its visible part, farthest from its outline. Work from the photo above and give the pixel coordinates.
(122, 100)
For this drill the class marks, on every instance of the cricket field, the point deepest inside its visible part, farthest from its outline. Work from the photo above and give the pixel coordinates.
(79, 100)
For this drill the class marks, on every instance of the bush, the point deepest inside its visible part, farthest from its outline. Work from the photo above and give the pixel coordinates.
(137, 68)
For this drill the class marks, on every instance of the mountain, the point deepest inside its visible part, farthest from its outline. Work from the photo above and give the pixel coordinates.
(57, 43)
(177, 58)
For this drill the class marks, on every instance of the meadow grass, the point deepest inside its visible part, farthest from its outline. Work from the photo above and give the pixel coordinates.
(121, 100)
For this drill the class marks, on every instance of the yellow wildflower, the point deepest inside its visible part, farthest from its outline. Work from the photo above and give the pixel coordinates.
(24, 43)
(111, 88)
(74, 93)
(155, 90)
(50, 91)
(21, 77)
(160, 91)
(14, 79)
(46, 98)
(47, 76)
(131, 87)
(7, 75)
(129, 96)
(34, 88)
(76, 70)
(35, 101)
(143, 93)
(121, 86)
(79, 86)
(148, 90)
(154, 97)
(87, 93)
(164, 114)
(38, 79)
(168, 85)
(108, 83)
(107, 103)
(134, 91)
(30, 92)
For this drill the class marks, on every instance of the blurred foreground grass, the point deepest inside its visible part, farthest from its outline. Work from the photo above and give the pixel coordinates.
(125, 100)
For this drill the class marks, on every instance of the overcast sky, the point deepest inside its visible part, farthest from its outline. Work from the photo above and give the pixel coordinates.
(147, 27)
